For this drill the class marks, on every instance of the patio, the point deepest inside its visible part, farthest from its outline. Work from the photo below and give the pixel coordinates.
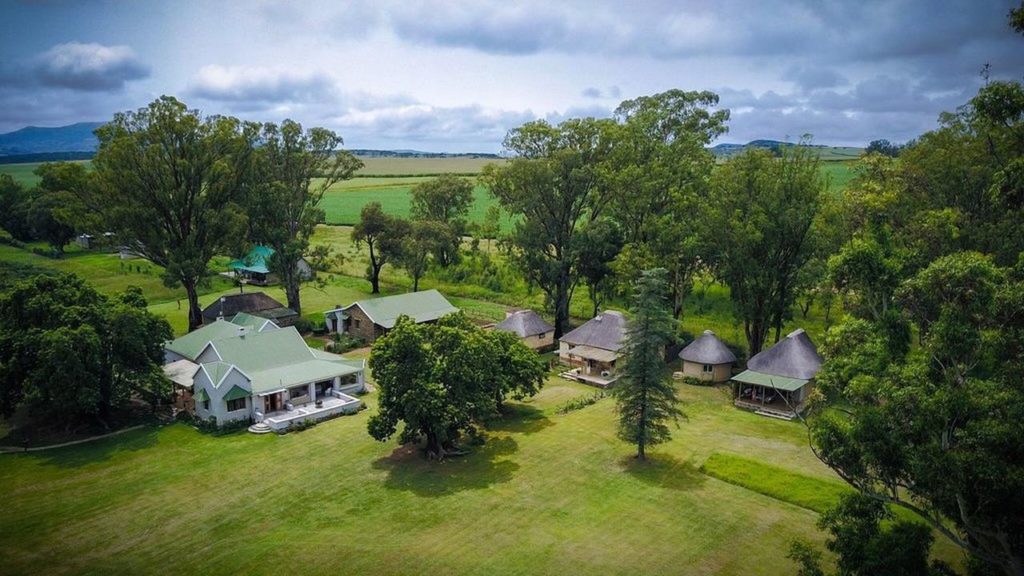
(335, 404)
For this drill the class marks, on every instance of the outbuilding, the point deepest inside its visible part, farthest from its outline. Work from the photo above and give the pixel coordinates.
(533, 330)
(708, 358)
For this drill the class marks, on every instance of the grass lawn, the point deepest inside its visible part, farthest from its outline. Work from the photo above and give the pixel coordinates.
(547, 494)
(343, 201)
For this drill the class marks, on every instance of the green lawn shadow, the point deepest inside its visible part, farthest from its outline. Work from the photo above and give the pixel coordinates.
(663, 471)
(99, 450)
(409, 470)
(520, 419)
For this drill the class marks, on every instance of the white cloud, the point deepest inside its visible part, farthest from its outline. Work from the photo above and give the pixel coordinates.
(260, 86)
(89, 67)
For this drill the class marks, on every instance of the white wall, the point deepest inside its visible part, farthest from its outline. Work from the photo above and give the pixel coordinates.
(218, 407)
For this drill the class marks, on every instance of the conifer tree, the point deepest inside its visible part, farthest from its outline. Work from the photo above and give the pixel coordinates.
(645, 395)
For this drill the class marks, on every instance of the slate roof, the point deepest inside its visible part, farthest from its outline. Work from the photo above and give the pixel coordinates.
(707, 349)
(795, 356)
(607, 331)
(191, 344)
(524, 323)
(420, 306)
(256, 303)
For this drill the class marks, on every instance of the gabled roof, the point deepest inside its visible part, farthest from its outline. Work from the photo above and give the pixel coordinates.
(707, 349)
(420, 306)
(257, 303)
(524, 323)
(776, 382)
(257, 260)
(795, 356)
(253, 321)
(191, 344)
(607, 330)
(277, 359)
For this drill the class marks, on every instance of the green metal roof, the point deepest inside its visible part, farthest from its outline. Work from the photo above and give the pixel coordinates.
(217, 371)
(236, 392)
(777, 382)
(202, 396)
(191, 344)
(250, 320)
(279, 359)
(255, 261)
(420, 306)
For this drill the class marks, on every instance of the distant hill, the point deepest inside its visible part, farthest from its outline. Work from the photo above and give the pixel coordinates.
(419, 154)
(37, 140)
(726, 150)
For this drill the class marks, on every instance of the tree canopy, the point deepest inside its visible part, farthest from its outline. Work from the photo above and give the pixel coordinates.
(68, 352)
(293, 170)
(172, 184)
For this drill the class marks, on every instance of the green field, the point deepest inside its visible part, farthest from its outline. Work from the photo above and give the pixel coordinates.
(423, 166)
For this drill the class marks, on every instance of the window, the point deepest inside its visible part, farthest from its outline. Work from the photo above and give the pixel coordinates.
(541, 335)
(294, 393)
(355, 323)
(236, 404)
(708, 368)
(206, 404)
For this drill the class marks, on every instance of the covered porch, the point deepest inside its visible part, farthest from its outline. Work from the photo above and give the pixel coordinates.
(592, 363)
(278, 409)
(767, 395)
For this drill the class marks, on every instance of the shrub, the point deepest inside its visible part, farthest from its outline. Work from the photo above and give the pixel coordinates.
(581, 402)
(303, 325)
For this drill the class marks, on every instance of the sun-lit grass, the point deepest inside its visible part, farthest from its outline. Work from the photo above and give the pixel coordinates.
(547, 493)
(804, 491)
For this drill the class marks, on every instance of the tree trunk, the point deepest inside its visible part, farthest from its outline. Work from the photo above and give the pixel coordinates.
(375, 279)
(561, 309)
(195, 313)
(291, 280)
(416, 283)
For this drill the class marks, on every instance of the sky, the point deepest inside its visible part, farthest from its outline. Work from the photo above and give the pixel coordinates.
(447, 76)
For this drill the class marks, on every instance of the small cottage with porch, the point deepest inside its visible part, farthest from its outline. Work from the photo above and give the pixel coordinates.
(254, 267)
(530, 327)
(778, 380)
(593, 348)
(372, 318)
(272, 378)
(707, 358)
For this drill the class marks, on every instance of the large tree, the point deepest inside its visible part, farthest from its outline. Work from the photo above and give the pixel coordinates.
(645, 396)
(658, 173)
(424, 237)
(442, 379)
(760, 213)
(384, 236)
(70, 353)
(938, 432)
(293, 170)
(171, 184)
(14, 207)
(553, 187)
(55, 213)
(446, 200)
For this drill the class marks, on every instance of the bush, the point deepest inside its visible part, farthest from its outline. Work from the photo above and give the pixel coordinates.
(581, 402)
(343, 343)
(303, 325)
(697, 381)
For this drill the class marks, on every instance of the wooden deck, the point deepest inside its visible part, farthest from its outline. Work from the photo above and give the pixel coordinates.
(591, 380)
(774, 409)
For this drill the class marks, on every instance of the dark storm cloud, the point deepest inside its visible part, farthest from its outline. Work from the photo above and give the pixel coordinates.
(811, 78)
(88, 67)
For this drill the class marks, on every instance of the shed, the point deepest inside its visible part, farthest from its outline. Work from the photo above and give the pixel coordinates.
(254, 303)
(372, 318)
(707, 358)
(533, 330)
(593, 348)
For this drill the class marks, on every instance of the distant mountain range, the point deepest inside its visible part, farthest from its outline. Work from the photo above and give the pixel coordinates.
(77, 142)
(63, 139)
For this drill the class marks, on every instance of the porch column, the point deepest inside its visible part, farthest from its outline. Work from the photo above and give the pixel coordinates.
(311, 387)
(336, 383)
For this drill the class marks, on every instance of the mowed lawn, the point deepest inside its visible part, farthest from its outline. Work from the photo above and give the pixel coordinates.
(546, 494)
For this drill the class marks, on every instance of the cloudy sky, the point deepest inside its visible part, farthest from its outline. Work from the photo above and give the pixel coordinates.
(455, 76)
